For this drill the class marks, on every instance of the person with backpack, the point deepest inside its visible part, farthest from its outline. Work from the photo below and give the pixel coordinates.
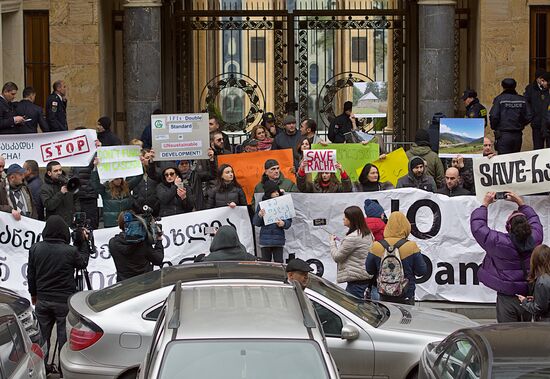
(506, 263)
(539, 277)
(396, 261)
(350, 256)
(131, 249)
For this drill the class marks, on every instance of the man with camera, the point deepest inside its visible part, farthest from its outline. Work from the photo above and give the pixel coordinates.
(137, 248)
(51, 275)
(57, 196)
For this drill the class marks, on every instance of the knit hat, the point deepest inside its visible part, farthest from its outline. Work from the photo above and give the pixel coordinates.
(348, 106)
(422, 136)
(269, 187)
(373, 209)
(508, 83)
(105, 122)
(289, 119)
(270, 163)
(416, 161)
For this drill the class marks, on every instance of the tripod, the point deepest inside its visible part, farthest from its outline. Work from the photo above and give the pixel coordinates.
(82, 276)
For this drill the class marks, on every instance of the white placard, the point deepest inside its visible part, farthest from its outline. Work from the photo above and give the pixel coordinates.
(180, 136)
(320, 160)
(524, 173)
(278, 208)
(71, 148)
(118, 162)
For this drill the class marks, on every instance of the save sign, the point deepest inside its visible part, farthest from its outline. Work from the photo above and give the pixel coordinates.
(320, 160)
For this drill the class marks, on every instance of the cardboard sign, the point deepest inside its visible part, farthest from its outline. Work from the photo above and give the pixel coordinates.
(249, 167)
(353, 156)
(278, 208)
(118, 162)
(524, 173)
(462, 136)
(320, 160)
(393, 167)
(180, 136)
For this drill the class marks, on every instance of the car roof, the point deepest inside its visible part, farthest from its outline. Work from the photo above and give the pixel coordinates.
(513, 340)
(117, 293)
(240, 309)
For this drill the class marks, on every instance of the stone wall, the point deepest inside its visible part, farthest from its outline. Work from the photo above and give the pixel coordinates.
(75, 58)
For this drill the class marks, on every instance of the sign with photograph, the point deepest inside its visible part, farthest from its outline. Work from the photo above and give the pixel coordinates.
(180, 136)
(462, 136)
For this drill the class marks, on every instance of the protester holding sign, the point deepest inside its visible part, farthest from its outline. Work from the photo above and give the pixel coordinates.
(369, 180)
(302, 145)
(351, 255)
(228, 191)
(273, 174)
(272, 236)
(506, 263)
(174, 196)
(324, 182)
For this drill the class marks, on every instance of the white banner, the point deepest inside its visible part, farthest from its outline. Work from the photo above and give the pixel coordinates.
(184, 237)
(320, 160)
(524, 173)
(72, 148)
(180, 136)
(118, 162)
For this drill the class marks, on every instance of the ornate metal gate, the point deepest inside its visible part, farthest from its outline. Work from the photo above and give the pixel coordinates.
(241, 59)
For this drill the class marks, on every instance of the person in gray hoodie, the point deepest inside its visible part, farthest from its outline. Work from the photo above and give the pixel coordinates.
(417, 177)
(226, 246)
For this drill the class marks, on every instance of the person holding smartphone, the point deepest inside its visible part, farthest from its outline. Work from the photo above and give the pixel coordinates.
(174, 196)
(507, 255)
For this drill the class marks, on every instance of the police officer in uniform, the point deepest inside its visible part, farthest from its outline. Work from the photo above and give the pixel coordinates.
(536, 94)
(509, 115)
(56, 107)
(474, 109)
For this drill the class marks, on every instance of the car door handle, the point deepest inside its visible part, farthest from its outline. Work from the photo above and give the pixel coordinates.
(31, 371)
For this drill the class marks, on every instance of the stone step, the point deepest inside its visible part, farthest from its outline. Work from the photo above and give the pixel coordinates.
(479, 312)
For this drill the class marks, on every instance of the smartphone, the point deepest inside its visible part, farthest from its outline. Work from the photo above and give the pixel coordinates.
(180, 185)
(501, 195)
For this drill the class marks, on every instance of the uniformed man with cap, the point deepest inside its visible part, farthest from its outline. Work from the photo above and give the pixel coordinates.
(474, 109)
(509, 115)
(298, 270)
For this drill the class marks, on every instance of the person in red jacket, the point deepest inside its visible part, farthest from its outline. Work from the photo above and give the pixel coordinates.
(375, 218)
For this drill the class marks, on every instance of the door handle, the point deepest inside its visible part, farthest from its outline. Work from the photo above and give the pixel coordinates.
(31, 371)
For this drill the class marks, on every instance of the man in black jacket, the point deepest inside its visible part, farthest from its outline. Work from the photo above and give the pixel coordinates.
(56, 107)
(32, 176)
(536, 94)
(9, 121)
(133, 257)
(340, 128)
(474, 109)
(104, 133)
(51, 276)
(452, 185)
(31, 112)
(55, 195)
(509, 116)
(289, 137)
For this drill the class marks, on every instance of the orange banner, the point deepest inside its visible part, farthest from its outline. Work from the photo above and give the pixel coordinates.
(249, 167)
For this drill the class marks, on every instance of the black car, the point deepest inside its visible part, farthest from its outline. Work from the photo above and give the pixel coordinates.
(24, 311)
(509, 351)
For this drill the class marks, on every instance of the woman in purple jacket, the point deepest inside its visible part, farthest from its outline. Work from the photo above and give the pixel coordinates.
(506, 263)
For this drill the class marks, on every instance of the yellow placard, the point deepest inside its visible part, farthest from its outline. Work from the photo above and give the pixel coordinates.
(391, 168)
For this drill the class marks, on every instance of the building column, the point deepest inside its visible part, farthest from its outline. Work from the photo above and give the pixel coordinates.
(142, 63)
(435, 60)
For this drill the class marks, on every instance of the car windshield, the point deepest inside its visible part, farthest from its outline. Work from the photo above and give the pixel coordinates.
(373, 313)
(243, 359)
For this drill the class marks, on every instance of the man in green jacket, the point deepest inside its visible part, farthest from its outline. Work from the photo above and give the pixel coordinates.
(421, 148)
(273, 172)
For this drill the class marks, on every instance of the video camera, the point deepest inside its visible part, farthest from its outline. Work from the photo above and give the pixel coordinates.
(154, 229)
(80, 226)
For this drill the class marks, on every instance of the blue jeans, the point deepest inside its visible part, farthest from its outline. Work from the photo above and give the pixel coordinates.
(358, 288)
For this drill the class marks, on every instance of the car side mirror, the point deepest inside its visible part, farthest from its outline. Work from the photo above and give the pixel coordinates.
(349, 332)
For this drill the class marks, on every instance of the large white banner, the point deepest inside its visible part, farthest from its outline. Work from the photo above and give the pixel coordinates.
(184, 237)
(71, 148)
(524, 173)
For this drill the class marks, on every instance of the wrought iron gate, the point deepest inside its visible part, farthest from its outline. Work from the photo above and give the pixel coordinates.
(246, 58)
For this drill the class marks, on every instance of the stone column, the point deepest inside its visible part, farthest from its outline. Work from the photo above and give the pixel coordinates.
(435, 59)
(142, 63)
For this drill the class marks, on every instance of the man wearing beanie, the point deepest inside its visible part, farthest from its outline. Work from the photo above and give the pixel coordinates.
(341, 126)
(289, 137)
(536, 95)
(509, 114)
(422, 148)
(273, 174)
(417, 177)
(104, 134)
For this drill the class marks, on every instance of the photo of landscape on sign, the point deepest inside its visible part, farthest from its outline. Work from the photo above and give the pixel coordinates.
(370, 103)
(462, 136)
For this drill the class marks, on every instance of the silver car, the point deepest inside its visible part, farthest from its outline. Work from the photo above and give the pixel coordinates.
(238, 329)
(110, 329)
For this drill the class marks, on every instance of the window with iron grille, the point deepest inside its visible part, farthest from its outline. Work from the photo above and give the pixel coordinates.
(257, 49)
(359, 49)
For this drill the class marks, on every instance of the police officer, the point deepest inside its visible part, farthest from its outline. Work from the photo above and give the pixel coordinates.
(33, 113)
(536, 94)
(509, 115)
(474, 109)
(56, 107)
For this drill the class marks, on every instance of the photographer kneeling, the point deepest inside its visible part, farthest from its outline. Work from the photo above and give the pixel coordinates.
(51, 275)
(132, 249)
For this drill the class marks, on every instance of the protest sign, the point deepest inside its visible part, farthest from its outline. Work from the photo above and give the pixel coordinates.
(277, 208)
(320, 160)
(391, 168)
(71, 148)
(180, 136)
(524, 173)
(353, 155)
(249, 167)
(118, 162)
(462, 136)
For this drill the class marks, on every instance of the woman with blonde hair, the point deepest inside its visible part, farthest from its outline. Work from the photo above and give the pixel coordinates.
(261, 134)
(539, 278)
